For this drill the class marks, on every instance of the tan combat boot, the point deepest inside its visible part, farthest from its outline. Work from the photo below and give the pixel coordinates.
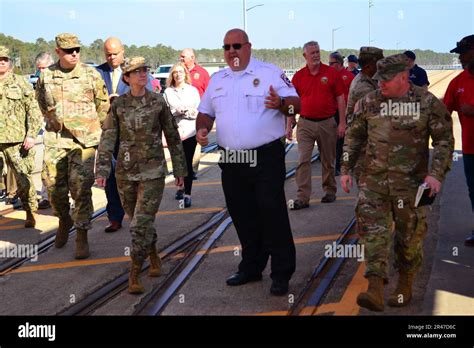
(134, 286)
(62, 234)
(155, 263)
(82, 247)
(373, 298)
(30, 219)
(402, 294)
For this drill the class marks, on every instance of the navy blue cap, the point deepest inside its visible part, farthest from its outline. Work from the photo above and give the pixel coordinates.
(352, 58)
(464, 45)
(410, 54)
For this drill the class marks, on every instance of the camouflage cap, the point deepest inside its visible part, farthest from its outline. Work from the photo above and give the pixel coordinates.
(390, 66)
(368, 51)
(67, 40)
(464, 45)
(4, 52)
(133, 63)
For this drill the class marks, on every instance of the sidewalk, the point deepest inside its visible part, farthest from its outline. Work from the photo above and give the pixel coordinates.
(450, 289)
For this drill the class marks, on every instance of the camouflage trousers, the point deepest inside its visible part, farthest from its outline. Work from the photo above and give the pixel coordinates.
(70, 170)
(141, 200)
(379, 215)
(22, 167)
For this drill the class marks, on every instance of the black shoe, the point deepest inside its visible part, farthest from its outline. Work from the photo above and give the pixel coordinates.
(3, 195)
(240, 278)
(187, 202)
(12, 200)
(44, 204)
(279, 287)
(470, 240)
(179, 195)
(298, 204)
(328, 198)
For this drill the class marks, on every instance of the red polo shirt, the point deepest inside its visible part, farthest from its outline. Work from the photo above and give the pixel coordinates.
(200, 78)
(318, 92)
(461, 91)
(347, 77)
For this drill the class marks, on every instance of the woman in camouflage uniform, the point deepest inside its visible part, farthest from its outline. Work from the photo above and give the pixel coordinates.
(138, 118)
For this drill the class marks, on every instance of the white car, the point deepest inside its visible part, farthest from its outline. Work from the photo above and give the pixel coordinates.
(162, 74)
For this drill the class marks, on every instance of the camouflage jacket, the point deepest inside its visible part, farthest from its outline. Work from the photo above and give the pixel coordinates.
(360, 86)
(139, 122)
(397, 141)
(20, 116)
(74, 104)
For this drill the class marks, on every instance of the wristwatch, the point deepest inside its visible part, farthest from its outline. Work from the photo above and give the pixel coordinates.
(282, 101)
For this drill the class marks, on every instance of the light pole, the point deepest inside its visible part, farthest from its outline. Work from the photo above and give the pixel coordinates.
(371, 4)
(245, 10)
(335, 29)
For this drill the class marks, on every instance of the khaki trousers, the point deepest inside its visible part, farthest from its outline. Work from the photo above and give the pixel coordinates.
(325, 134)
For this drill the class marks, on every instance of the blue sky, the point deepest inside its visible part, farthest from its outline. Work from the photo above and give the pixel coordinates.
(424, 24)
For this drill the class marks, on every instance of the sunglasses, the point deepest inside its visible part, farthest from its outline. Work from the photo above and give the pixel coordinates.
(236, 46)
(140, 70)
(71, 50)
(332, 63)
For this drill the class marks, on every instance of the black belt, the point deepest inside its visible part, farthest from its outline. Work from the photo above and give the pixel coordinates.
(316, 119)
(265, 146)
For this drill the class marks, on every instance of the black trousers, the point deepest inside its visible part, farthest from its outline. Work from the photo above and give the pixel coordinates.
(256, 202)
(189, 146)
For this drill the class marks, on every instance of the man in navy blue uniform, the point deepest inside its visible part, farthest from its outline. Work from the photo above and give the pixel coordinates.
(417, 75)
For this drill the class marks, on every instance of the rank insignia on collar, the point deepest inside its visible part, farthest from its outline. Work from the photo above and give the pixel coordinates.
(285, 79)
(256, 82)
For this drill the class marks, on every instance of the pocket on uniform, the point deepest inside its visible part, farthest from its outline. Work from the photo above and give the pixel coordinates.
(255, 100)
(126, 158)
(218, 101)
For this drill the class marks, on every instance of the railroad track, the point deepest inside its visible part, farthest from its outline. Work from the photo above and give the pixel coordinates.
(12, 263)
(323, 276)
(194, 246)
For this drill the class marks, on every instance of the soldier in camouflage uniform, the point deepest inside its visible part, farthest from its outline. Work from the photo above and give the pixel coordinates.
(138, 119)
(20, 122)
(362, 84)
(396, 122)
(74, 101)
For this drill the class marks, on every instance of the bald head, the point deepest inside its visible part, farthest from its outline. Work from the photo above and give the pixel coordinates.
(239, 33)
(237, 49)
(188, 58)
(113, 50)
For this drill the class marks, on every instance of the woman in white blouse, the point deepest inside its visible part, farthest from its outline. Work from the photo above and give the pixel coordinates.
(184, 99)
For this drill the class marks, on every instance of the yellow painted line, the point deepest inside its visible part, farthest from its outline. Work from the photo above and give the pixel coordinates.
(39, 226)
(191, 211)
(205, 183)
(304, 240)
(346, 306)
(70, 264)
(348, 303)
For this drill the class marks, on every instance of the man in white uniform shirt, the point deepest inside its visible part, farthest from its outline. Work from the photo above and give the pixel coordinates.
(249, 102)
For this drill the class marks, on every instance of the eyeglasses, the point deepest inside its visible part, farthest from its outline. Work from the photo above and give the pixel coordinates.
(236, 46)
(332, 63)
(140, 70)
(71, 50)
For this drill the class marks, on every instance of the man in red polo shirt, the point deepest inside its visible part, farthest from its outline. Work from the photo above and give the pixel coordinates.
(460, 97)
(321, 92)
(199, 79)
(336, 60)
